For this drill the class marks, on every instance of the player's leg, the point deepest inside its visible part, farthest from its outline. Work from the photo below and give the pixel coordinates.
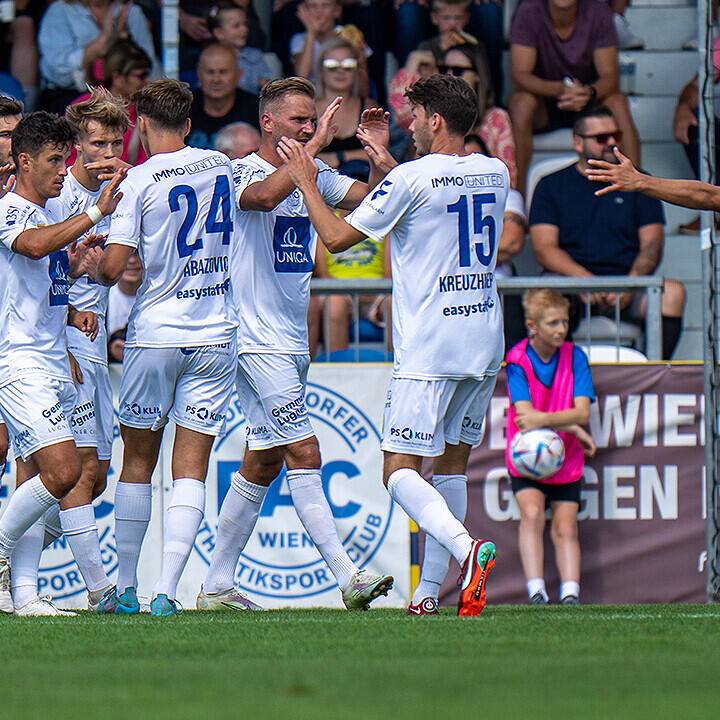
(531, 502)
(4, 443)
(564, 533)
(34, 408)
(450, 480)
(200, 403)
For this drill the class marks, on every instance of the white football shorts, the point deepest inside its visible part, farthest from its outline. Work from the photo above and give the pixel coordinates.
(92, 418)
(37, 411)
(421, 416)
(271, 392)
(190, 386)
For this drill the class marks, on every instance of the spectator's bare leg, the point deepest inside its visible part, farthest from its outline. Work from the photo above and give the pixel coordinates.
(530, 531)
(526, 112)
(564, 535)
(630, 144)
(24, 58)
(340, 316)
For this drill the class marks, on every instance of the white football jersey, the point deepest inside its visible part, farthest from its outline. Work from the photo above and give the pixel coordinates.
(272, 261)
(444, 215)
(178, 209)
(33, 298)
(85, 294)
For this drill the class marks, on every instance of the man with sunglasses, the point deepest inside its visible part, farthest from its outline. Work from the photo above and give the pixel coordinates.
(575, 235)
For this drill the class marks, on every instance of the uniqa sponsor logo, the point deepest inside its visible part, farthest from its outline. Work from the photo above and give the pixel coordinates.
(280, 561)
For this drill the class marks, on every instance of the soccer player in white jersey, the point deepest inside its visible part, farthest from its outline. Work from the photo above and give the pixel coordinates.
(36, 389)
(272, 261)
(443, 213)
(101, 121)
(177, 210)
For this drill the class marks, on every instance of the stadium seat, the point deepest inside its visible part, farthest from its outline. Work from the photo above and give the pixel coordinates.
(612, 353)
(603, 330)
(539, 170)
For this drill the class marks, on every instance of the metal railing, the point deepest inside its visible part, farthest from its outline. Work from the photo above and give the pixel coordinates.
(649, 284)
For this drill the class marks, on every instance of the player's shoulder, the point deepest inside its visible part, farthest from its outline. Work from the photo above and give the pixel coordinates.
(245, 168)
(15, 209)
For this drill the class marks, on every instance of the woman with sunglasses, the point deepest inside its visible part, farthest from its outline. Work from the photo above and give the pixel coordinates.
(337, 74)
(468, 62)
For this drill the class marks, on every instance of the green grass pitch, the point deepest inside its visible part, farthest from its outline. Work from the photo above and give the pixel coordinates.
(612, 662)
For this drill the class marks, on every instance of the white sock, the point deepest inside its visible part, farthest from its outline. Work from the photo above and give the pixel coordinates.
(25, 562)
(569, 587)
(27, 504)
(182, 521)
(237, 519)
(133, 505)
(426, 506)
(53, 528)
(80, 530)
(314, 512)
(536, 585)
(436, 558)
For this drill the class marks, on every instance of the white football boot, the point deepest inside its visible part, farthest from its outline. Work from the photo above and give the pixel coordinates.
(42, 606)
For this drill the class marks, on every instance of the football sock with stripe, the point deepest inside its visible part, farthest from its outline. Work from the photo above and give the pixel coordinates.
(314, 512)
(182, 521)
(426, 506)
(238, 515)
(436, 558)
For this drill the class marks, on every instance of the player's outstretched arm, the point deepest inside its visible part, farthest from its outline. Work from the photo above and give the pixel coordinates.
(111, 265)
(271, 191)
(333, 231)
(41, 241)
(626, 178)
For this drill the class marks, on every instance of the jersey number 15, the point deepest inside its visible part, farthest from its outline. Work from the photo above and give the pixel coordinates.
(220, 201)
(479, 224)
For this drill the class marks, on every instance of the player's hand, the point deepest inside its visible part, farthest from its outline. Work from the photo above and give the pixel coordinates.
(78, 252)
(7, 178)
(302, 168)
(85, 321)
(110, 197)
(75, 371)
(325, 130)
(109, 167)
(375, 126)
(530, 420)
(623, 176)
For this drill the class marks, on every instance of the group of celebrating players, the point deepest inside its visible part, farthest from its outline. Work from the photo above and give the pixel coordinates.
(227, 251)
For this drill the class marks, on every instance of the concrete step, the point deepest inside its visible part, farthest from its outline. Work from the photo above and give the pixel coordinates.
(665, 159)
(663, 28)
(663, 3)
(681, 258)
(653, 116)
(656, 72)
(690, 346)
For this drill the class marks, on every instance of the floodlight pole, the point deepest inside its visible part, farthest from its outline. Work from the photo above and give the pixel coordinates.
(711, 316)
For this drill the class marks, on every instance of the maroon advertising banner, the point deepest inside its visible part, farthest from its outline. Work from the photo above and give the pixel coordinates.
(642, 514)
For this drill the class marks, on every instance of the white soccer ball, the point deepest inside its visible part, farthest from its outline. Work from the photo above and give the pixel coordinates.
(537, 454)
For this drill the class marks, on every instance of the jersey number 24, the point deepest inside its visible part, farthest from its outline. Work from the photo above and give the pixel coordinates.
(220, 201)
(479, 224)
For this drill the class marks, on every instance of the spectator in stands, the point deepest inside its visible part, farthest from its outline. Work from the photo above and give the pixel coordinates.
(74, 34)
(550, 385)
(320, 19)
(237, 140)
(450, 17)
(218, 101)
(125, 69)
(510, 246)
(563, 57)
(18, 39)
(228, 24)
(576, 234)
(120, 302)
(627, 39)
(685, 129)
(467, 61)
(337, 74)
(420, 63)
(11, 112)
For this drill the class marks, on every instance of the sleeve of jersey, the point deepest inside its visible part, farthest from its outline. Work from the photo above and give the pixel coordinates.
(10, 230)
(582, 379)
(518, 388)
(125, 221)
(382, 207)
(243, 175)
(332, 185)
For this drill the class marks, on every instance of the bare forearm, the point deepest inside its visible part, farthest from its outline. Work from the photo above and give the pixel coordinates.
(303, 60)
(39, 242)
(332, 231)
(605, 85)
(687, 193)
(563, 420)
(647, 260)
(559, 262)
(528, 82)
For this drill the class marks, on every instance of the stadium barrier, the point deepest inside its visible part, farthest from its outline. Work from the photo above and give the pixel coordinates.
(651, 285)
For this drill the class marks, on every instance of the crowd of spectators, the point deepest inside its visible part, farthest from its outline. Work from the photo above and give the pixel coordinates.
(563, 60)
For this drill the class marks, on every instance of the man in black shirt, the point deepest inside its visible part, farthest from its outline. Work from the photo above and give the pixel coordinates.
(576, 234)
(218, 101)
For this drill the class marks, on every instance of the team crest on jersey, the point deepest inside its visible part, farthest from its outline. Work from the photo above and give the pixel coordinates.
(58, 268)
(291, 245)
(280, 562)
